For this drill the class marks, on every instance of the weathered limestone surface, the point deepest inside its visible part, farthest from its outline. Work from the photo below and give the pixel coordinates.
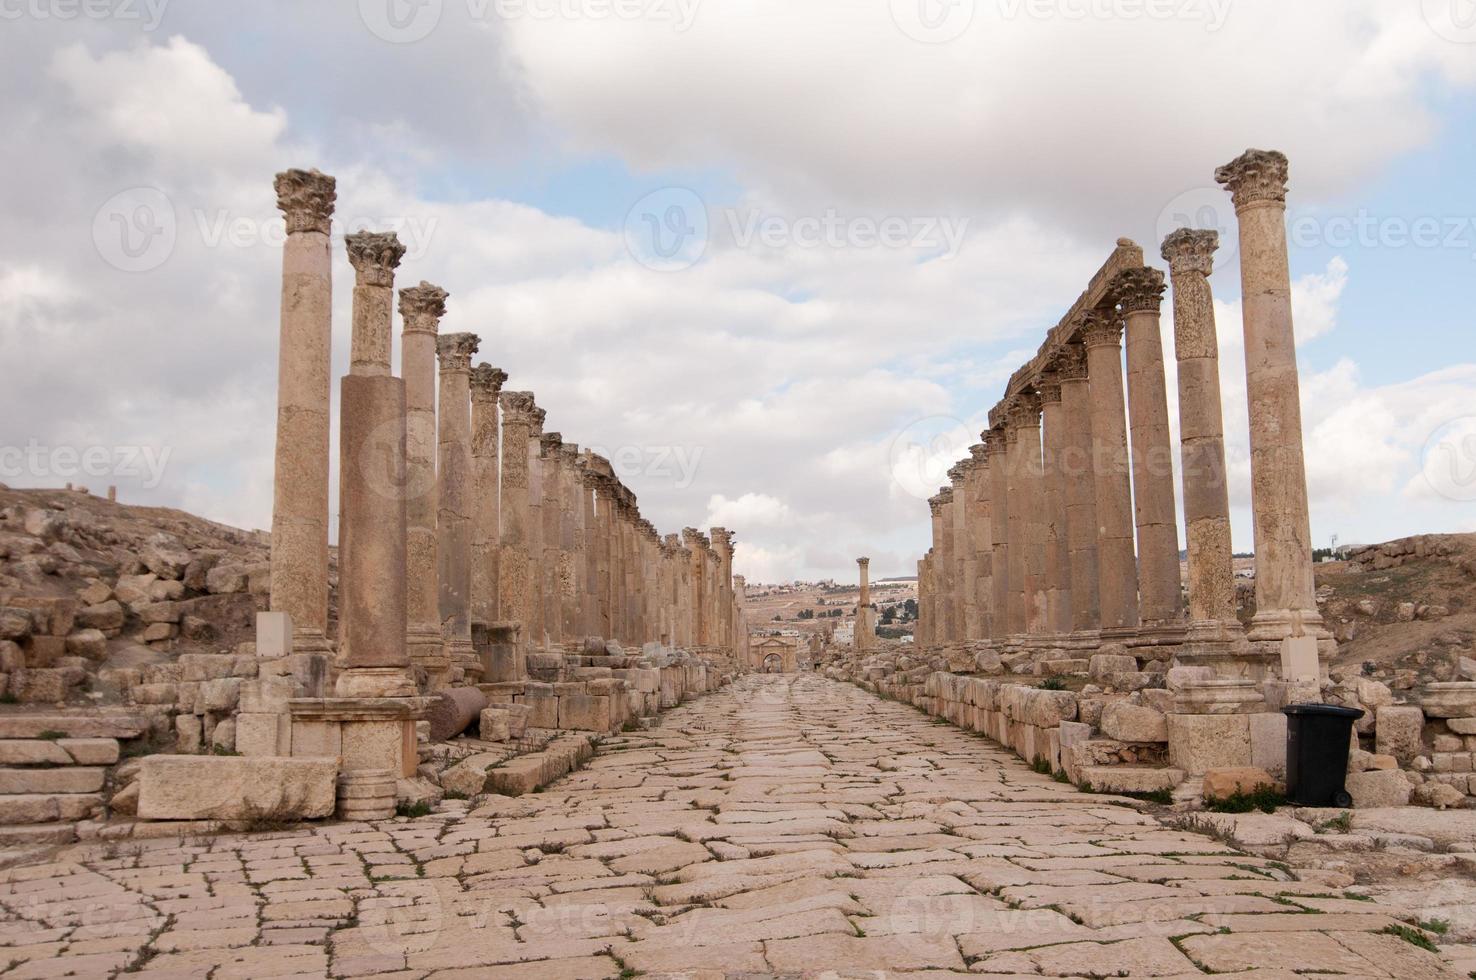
(193, 787)
(454, 505)
(816, 828)
(1117, 575)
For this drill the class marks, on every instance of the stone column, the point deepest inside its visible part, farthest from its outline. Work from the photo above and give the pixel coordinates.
(605, 533)
(300, 487)
(692, 539)
(513, 572)
(1053, 487)
(1079, 480)
(486, 389)
(1117, 566)
(454, 504)
(864, 629)
(722, 542)
(372, 486)
(996, 442)
(1286, 604)
(981, 541)
(1025, 421)
(1139, 292)
(536, 628)
(589, 602)
(421, 309)
(551, 461)
(938, 505)
(966, 614)
(571, 544)
(1212, 621)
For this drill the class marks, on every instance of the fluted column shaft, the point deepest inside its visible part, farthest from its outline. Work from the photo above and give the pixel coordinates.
(513, 559)
(1117, 569)
(299, 555)
(551, 463)
(981, 543)
(537, 628)
(1286, 603)
(1025, 418)
(1075, 463)
(1201, 432)
(996, 442)
(1139, 293)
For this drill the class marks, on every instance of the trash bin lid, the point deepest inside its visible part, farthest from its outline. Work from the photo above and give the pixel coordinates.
(1326, 710)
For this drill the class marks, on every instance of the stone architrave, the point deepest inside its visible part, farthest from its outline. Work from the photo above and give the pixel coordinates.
(1139, 294)
(1117, 567)
(1286, 603)
(299, 555)
(1053, 484)
(514, 559)
(372, 479)
(486, 384)
(1212, 619)
(421, 309)
(454, 503)
(1080, 487)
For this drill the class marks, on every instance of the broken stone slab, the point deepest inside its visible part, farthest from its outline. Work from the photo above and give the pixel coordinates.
(72, 725)
(1129, 722)
(1129, 779)
(1379, 788)
(192, 787)
(1450, 699)
(1220, 784)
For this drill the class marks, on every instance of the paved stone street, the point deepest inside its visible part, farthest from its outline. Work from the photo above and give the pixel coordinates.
(786, 825)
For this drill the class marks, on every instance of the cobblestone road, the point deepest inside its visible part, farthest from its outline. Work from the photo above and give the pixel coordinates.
(783, 826)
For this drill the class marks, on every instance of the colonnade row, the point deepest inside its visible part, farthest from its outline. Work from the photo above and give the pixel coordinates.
(458, 511)
(1059, 528)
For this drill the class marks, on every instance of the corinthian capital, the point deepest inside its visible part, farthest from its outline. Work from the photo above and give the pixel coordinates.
(421, 307)
(374, 255)
(1255, 177)
(1071, 363)
(549, 443)
(306, 199)
(455, 350)
(1191, 250)
(1049, 387)
(517, 406)
(1137, 290)
(1098, 328)
(486, 382)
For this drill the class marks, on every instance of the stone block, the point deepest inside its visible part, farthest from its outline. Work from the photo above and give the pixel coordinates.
(493, 726)
(1129, 779)
(32, 752)
(45, 651)
(1129, 722)
(220, 695)
(1268, 741)
(1104, 664)
(543, 710)
(1462, 726)
(158, 633)
(91, 751)
(1221, 784)
(32, 808)
(1389, 787)
(266, 733)
(89, 643)
(105, 616)
(1398, 731)
(585, 713)
(316, 739)
(517, 719)
(179, 787)
(1199, 743)
(517, 776)
(64, 779)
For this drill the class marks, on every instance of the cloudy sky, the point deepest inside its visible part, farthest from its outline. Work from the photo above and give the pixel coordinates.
(776, 259)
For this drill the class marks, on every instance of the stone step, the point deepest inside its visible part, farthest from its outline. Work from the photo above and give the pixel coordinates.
(1130, 779)
(61, 779)
(30, 808)
(30, 835)
(73, 726)
(58, 752)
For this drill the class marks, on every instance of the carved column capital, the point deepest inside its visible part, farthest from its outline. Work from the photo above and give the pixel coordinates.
(422, 306)
(455, 350)
(1071, 363)
(1098, 328)
(1255, 177)
(1137, 290)
(1049, 387)
(1190, 250)
(374, 255)
(549, 443)
(306, 199)
(486, 382)
(535, 422)
(517, 406)
(994, 441)
(1024, 411)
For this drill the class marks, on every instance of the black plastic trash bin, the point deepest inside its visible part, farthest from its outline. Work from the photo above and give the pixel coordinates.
(1317, 741)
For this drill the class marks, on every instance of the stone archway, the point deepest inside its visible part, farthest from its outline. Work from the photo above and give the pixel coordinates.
(773, 664)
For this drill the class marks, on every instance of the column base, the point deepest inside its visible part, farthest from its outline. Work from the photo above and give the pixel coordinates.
(1158, 634)
(375, 682)
(311, 641)
(458, 649)
(364, 733)
(1275, 625)
(423, 640)
(366, 794)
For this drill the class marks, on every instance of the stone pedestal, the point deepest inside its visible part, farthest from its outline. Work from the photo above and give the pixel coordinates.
(1210, 726)
(368, 737)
